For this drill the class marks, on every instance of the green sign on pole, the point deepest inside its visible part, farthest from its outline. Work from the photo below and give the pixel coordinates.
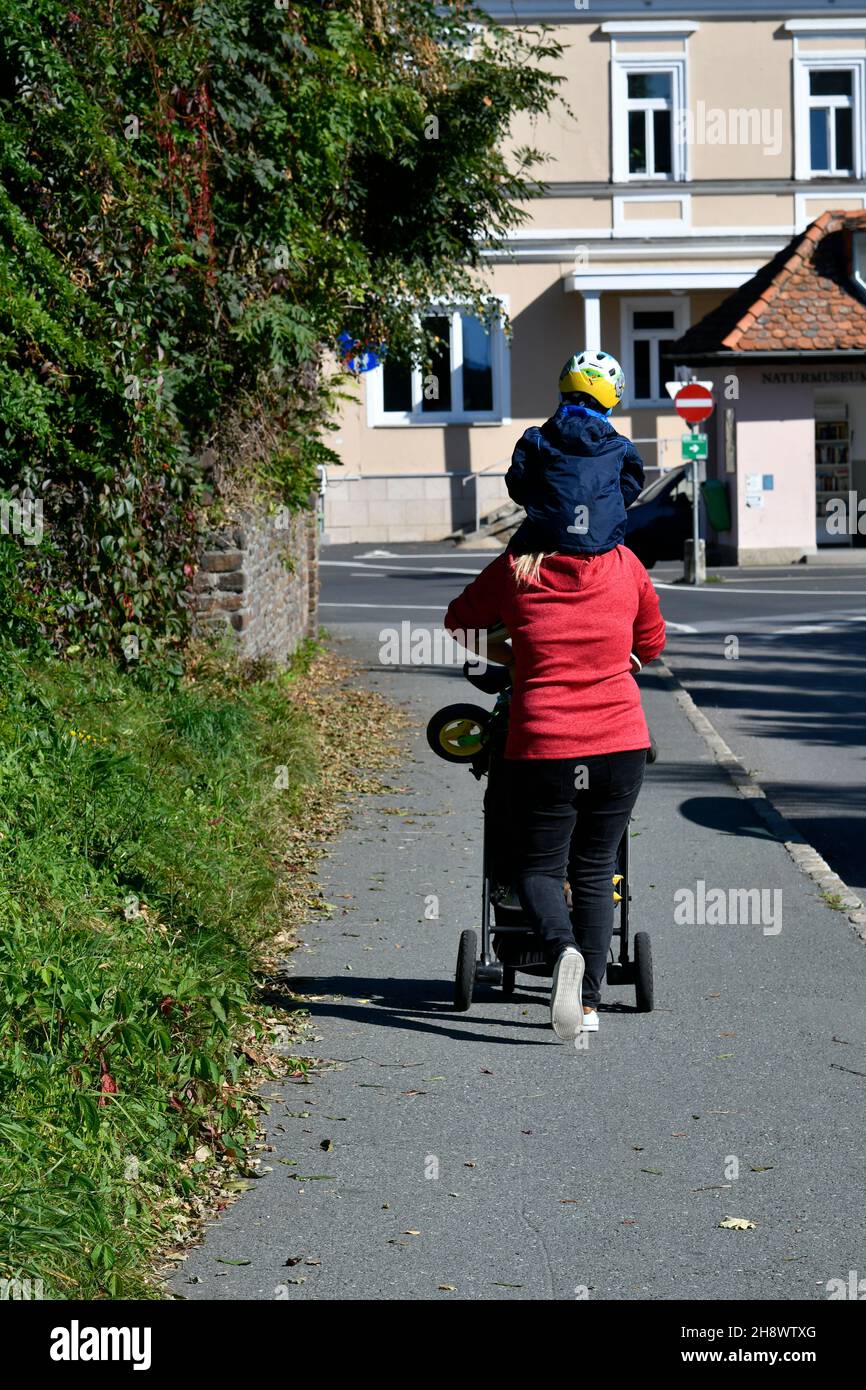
(694, 446)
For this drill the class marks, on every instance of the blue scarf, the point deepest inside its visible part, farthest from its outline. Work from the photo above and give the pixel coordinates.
(571, 409)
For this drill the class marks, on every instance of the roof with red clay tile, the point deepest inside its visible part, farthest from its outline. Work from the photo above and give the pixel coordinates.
(803, 300)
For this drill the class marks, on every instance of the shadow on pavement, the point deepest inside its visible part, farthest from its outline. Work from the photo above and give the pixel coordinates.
(410, 1005)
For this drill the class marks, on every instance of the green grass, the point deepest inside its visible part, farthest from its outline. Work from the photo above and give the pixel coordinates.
(139, 880)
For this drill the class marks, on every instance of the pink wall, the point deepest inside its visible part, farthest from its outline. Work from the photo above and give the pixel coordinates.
(775, 433)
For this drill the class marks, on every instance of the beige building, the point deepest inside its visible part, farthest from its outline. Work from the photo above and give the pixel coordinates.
(702, 137)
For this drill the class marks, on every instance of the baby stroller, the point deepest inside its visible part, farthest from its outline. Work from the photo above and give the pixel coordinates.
(476, 736)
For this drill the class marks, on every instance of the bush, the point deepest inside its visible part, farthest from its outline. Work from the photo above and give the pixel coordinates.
(140, 833)
(195, 201)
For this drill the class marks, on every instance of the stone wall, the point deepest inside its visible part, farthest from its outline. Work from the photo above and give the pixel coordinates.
(258, 579)
(406, 508)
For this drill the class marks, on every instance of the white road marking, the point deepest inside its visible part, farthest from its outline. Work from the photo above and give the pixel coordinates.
(832, 625)
(727, 589)
(756, 579)
(403, 555)
(401, 607)
(679, 627)
(353, 565)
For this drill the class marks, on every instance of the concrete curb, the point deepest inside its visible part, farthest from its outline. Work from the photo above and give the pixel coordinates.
(804, 855)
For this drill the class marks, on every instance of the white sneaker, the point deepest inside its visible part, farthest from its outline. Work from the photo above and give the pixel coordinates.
(590, 1021)
(566, 1010)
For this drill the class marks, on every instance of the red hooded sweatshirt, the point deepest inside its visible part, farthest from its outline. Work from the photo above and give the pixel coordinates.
(572, 632)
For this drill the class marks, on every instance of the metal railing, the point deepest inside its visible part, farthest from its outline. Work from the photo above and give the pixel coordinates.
(472, 475)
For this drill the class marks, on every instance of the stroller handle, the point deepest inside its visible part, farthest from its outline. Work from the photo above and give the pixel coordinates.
(489, 678)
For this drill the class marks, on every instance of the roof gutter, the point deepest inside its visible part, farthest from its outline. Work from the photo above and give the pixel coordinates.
(779, 355)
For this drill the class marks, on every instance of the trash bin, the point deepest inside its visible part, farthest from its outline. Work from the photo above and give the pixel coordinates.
(715, 495)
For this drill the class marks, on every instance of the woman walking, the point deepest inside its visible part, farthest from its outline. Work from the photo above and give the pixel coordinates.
(579, 627)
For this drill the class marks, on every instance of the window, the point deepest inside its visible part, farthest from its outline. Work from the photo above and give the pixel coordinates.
(649, 329)
(831, 121)
(649, 123)
(829, 116)
(464, 380)
(650, 113)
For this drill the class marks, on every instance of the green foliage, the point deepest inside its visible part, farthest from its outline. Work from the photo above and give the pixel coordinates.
(137, 879)
(196, 198)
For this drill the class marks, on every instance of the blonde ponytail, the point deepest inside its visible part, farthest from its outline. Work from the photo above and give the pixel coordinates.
(527, 567)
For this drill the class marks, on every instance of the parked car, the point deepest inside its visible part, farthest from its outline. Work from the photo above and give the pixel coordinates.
(659, 522)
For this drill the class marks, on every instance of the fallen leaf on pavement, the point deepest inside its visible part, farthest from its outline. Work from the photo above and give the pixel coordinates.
(448, 1288)
(737, 1223)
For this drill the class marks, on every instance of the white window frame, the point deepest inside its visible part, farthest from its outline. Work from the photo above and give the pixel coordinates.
(378, 417)
(675, 65)
(806, 63)
(678, 305)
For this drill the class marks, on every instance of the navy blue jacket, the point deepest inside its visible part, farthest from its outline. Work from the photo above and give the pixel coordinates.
(574, 476)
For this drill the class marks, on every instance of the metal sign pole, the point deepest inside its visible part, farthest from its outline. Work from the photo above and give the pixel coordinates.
(696, 513)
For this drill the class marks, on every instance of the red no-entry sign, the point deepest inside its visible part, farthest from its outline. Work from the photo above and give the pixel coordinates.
(694, 403)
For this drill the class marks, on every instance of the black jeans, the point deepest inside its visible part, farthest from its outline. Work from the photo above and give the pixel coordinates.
(567, 817)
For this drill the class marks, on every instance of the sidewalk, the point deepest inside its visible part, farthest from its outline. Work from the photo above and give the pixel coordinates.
(559, 1171)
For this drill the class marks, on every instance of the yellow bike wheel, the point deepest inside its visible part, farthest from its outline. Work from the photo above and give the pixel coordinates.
(459, 732)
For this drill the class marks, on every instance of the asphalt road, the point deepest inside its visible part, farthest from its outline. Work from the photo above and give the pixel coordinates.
(472, 1156)
(788, 695)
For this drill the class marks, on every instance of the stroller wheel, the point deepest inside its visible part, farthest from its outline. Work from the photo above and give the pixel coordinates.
(457, 733)
(464, 977)
(643, 972)
(509, 977)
